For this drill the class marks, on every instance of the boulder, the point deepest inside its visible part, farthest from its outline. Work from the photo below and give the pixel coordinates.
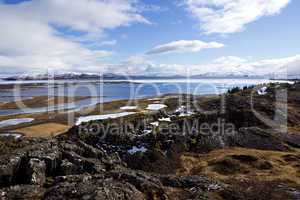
(49, 152)
(68, 168)
(10, 167)
(36, 170)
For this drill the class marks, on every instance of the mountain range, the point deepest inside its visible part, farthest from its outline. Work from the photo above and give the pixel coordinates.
(111, 76)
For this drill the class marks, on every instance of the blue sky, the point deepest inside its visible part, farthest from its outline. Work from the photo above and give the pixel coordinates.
(150, 36)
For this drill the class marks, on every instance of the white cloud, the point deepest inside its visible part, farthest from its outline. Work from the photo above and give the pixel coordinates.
(236, 65)
(230, 16)
(137, 60)
(183, 46)
(288, 65)
(134, 65)
(30, 42)
(84, 15)
(230, 60)
(277, 66)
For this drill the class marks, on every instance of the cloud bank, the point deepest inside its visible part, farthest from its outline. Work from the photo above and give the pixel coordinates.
(226, 65)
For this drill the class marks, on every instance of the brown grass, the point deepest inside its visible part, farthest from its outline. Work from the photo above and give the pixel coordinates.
(40, 101)
(225, 164)
(60, 117)
(44, 130)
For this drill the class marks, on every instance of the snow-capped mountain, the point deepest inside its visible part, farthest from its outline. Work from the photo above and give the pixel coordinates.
(111, 76)
(65, 76)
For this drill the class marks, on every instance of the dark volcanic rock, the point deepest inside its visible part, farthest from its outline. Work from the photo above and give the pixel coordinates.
(49, 152)
(292, 139)
(202, 182)
(258, 138)
(92, 187)
(36, 171)
(10, 167)
(68, 168)
(22, 192)
(149, 185)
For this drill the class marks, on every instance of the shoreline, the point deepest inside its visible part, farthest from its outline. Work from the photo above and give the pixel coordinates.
(60, 117)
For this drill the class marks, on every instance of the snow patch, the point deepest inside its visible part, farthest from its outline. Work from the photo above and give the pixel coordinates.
(135, 149)
(156, 106)
(167, 119)
(9, 135)
(186, 114)
(147, 131)
(181, 109)
(12, 122)
(155, 99)
(262, 91)
(183, 112)
(102, 117)
(128, 108)
(154, 123)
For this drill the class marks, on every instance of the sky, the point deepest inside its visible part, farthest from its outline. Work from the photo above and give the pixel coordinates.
(150, 37)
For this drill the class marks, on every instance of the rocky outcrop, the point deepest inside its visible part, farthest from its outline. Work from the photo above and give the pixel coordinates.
(22, 192)
(10, 167)
(257, 138)
(92, 187)
(36, 171)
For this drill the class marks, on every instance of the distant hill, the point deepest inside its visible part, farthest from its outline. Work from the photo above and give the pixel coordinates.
(111, 76)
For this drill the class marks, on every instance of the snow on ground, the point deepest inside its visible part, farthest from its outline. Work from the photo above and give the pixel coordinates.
(102, 117)
(9, 135)
(262, 91)
(181, 109)
(154, 99)
(128, 108)
(147, 131)
(135, 149)
(12, 122)
(156, 102)
(154, 123)
(186, 114)
(156, 106)
(167, 119)
(183, 112)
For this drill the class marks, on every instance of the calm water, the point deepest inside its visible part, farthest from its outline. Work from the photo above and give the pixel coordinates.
(118, 90)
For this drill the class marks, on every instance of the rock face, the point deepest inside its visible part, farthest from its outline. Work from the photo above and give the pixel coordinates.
(10, 166)
(59, 169)
(70, 168)
(257, 138)
(92, 187)
(37, 171)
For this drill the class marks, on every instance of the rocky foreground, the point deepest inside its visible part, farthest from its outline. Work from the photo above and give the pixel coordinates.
(223, 151)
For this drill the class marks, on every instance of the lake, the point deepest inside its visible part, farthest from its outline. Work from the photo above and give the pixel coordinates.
(111, 90)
